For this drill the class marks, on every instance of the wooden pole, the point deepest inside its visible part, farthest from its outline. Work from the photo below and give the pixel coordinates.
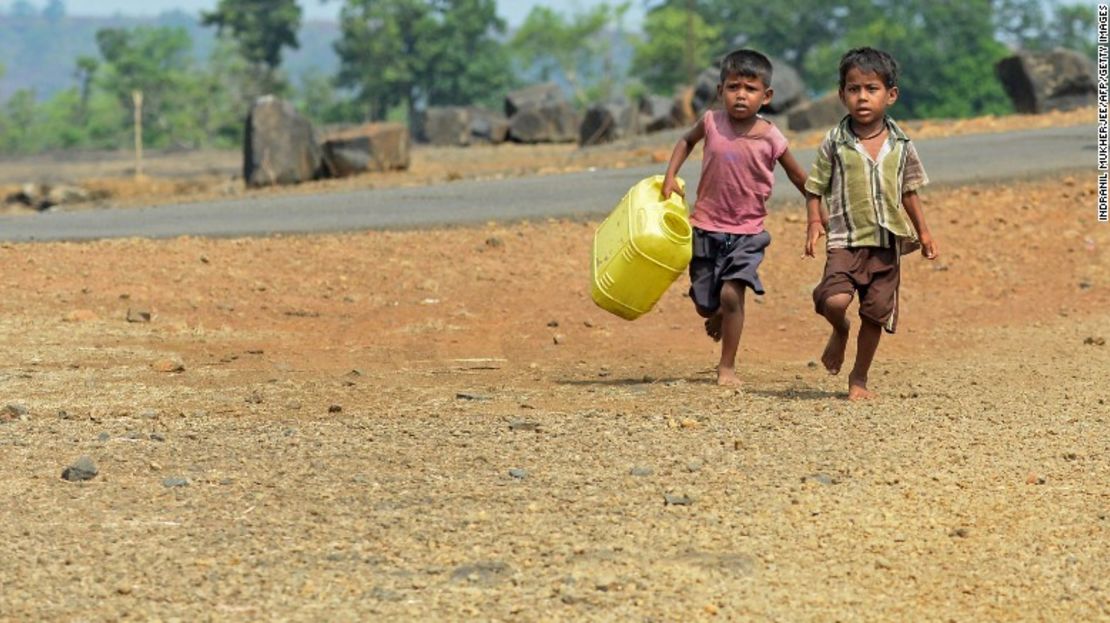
(137, 99)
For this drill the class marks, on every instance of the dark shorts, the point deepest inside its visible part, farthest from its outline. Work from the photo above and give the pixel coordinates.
(720, 257)
(873, 272)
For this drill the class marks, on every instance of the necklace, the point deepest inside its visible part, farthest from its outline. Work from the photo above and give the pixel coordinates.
(882, 129)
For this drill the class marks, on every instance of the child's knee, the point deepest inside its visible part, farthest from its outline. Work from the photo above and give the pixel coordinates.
(835, 304)
(732, 296)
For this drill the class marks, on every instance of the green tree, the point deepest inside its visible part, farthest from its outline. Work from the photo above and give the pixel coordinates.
(410, 53)
(575, 46)
(320, 100)
(56, 126)
(1073, 27)
(465, 63)
(19, 115)
(946, 51)
(788, 30)
(262, 28)
(157, 62)
(380, 51)
(84, 73)
(1043, 25)
(678, 43)
(1020, 23)
(224, 93)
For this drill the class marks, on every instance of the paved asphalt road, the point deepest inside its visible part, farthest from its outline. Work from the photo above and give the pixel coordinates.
(591, 193)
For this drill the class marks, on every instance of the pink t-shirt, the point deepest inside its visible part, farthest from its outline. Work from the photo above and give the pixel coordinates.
(737, 174)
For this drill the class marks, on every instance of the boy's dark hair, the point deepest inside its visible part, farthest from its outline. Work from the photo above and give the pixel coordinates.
(747, 63)
(871, 61)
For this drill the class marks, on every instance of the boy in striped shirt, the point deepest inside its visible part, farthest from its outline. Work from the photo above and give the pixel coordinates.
(867, 173)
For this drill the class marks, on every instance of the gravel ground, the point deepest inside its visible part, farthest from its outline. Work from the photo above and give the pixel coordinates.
(364, 427)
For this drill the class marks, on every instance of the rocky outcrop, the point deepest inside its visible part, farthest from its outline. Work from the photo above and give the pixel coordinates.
(280, 146)
(45, 196)
(823, 112)
(487, 126)
(532, 96)
(657, 113)
(445, 125)
(705, 90)
(540, 114)
(683, 108)
(547, 123)
(1038, 82)
(604, 123)
(373, 147)
(789, 89)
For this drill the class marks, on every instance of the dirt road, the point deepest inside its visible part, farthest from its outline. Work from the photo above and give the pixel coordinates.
(439, 425)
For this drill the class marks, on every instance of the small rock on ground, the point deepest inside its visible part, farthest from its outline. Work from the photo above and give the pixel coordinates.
(82, 469)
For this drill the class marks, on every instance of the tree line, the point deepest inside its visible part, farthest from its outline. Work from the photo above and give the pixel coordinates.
(399, 56)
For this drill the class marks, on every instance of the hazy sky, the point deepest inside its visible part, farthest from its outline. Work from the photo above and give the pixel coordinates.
(512, 10)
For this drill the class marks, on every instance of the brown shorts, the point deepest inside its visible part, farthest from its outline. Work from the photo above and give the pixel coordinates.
(872, 271)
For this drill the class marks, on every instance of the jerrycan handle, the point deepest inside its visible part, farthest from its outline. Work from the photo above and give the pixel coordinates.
(675, 201)
(674, 225)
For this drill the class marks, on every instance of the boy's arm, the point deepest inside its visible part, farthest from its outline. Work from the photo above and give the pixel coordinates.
(815, 223)
(794, 171)
(682, 150)
(815, 186)
(912, 203)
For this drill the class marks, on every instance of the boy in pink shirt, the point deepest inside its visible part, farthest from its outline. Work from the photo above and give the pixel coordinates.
(737, 174)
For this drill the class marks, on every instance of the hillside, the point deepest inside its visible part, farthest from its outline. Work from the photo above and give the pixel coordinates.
(40, 53)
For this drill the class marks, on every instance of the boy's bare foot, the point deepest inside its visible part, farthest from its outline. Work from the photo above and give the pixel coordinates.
(833, 357)
(713, 326)
(857, 390)
(726, 377)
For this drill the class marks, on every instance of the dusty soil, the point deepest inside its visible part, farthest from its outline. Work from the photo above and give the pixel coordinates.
(329, 428)
(186, 176)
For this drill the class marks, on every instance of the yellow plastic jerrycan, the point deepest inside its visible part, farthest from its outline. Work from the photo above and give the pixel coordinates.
(640, 249)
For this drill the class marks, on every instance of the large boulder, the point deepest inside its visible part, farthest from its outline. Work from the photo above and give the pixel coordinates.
(279, 146)
(790, 91)
(607, 122)
(544, 123)
(823, 112)
(45, 196)
(1038, 82)
(532, 96)
(658, 113)
(445, 125)
(683, 108)
(705, 90)
(488, 126)
(371, 147)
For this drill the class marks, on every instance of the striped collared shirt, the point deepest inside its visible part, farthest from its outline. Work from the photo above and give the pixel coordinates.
(864, 195)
